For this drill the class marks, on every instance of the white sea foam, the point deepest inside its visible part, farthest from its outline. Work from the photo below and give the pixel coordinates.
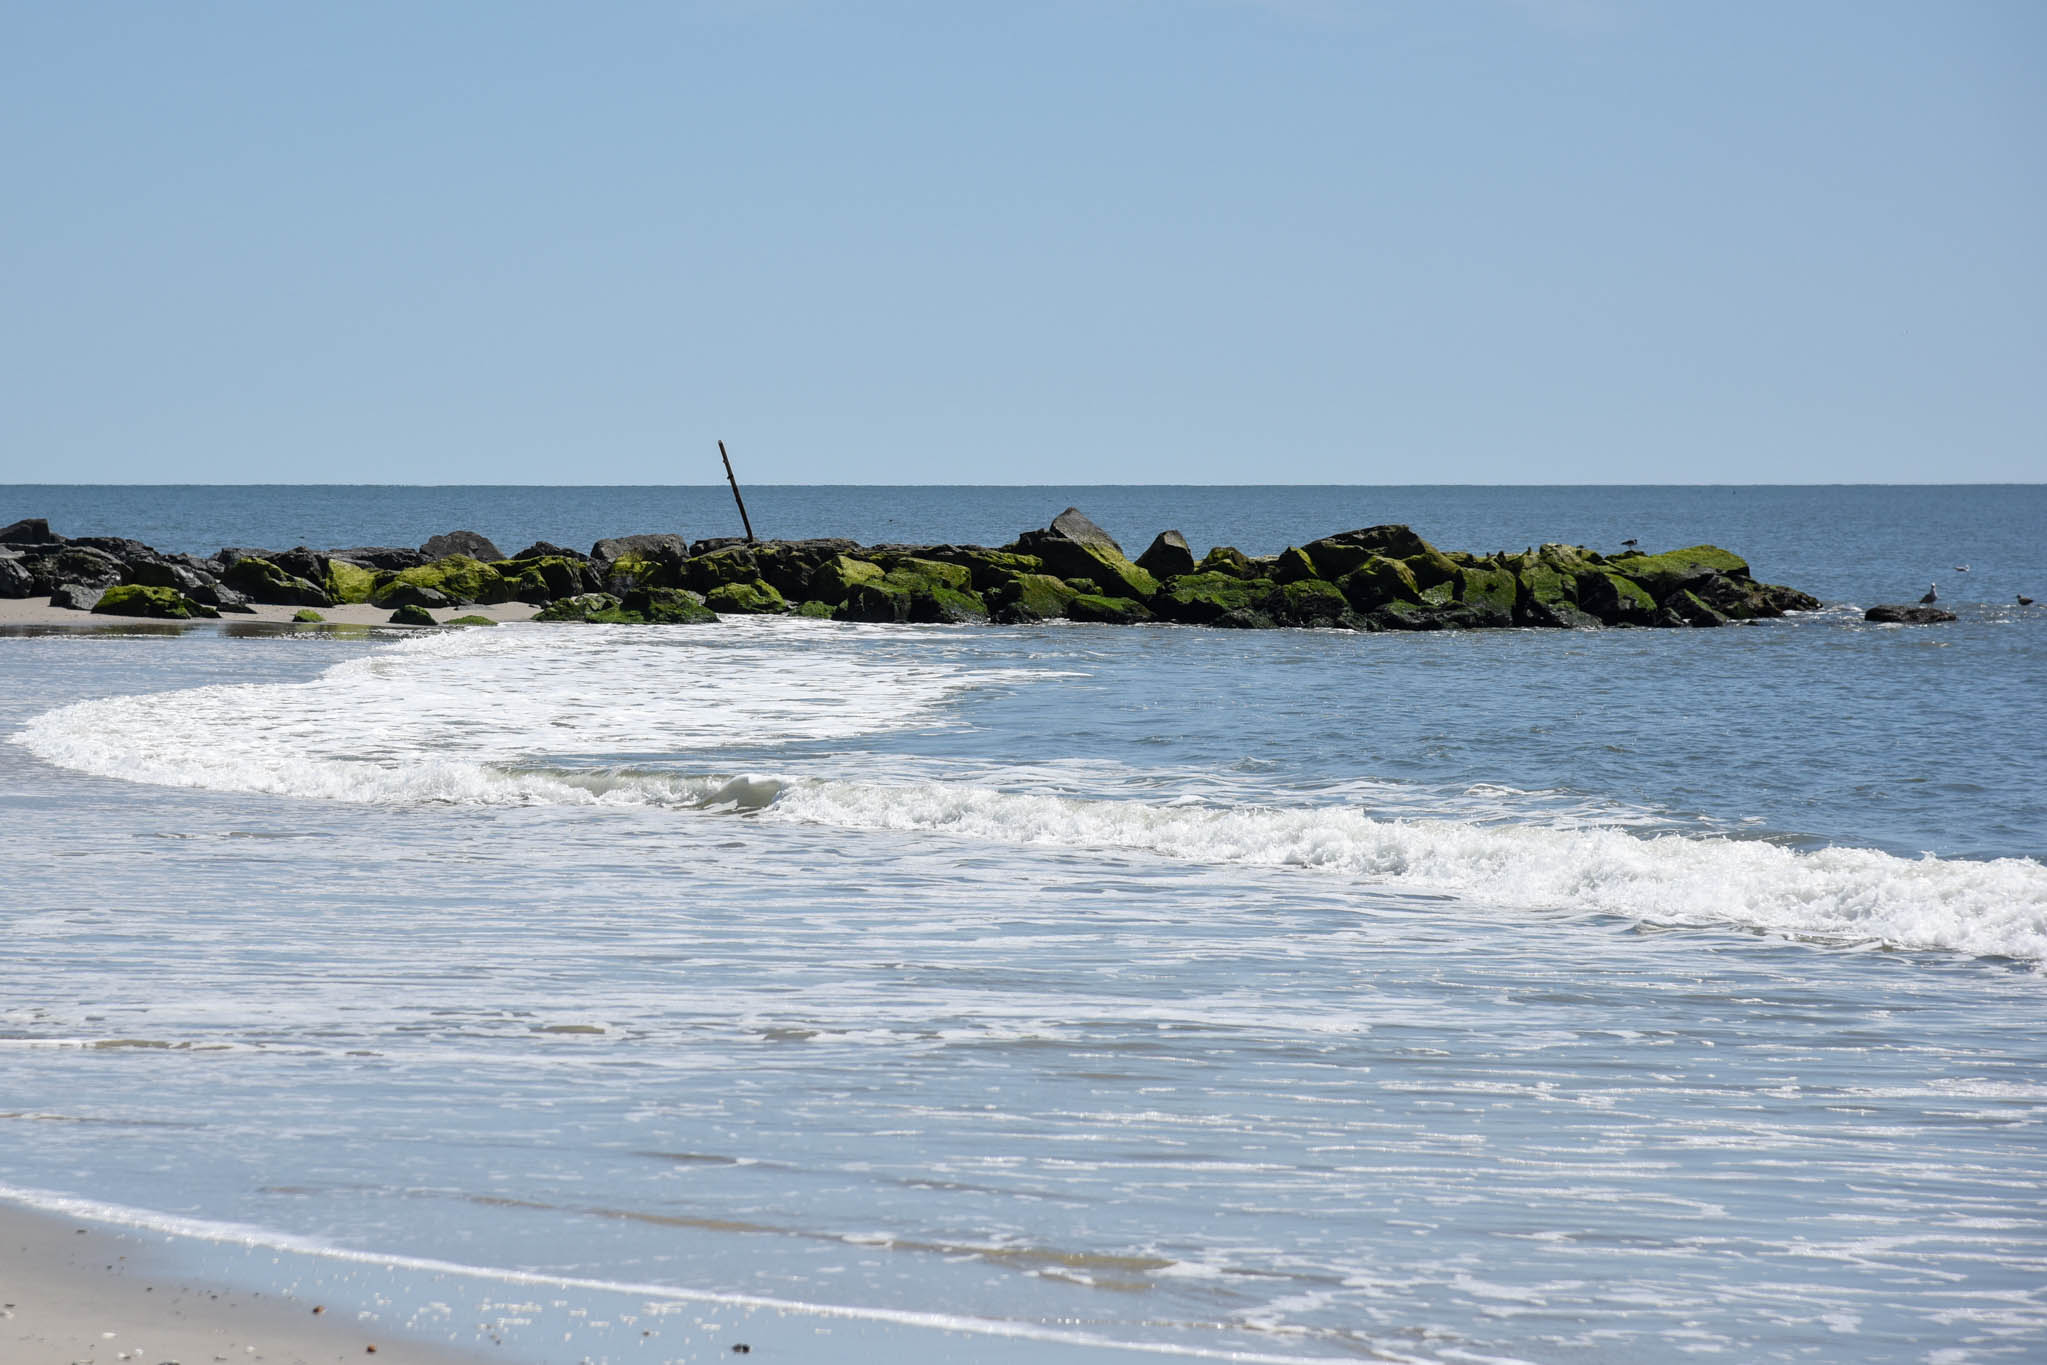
(474, 718)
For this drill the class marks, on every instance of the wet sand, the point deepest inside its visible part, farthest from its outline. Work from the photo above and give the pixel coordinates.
(76, 1291)
(37, 611)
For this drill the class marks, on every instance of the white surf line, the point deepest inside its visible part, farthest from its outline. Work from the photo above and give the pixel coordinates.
(242, 1234)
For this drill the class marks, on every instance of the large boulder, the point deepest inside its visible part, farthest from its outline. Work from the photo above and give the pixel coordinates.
(661, 607)
(547, 549)
(660, 546)
(746, 599)
(27, 531)
(384, 558)
(1334, 556)
(1665, 573)
(835, 579)
(468, 544)
(75, 596)
(16, 580)
(260, 580)
(87, 567)
(1167, 557)
(120, 547)
(1204, 599)
(1074, 547)
(1108, 611)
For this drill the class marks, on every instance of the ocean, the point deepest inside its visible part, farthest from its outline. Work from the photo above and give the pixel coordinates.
(1076, 992)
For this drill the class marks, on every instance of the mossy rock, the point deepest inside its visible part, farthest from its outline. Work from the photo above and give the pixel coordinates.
(1431, 568)
(634, 570)
(163, 604)
(1488, 585)
(1110, 611)
(1201, 599)
(989, 569)
(1695, 610)
(754, 598)
(836, 578)
(947, 606)
(1439, 594)
(1225, 559)
(581, 607)
(542, 579)
(875, 601)
(922, 575)
(1293, 565)
(261, 581)
(349, 582)
(458, 579)
(306, 616)
(409, 615)
(1116, 576)
(1614, 599)
(1664, 573)
(470, 621)
(1377, 581)
(821, 611)
(715, 569)
(662, 607)
(1030, 597)
(1313, 602)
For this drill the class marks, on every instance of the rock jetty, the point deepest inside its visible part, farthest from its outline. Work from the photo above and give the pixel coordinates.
(1374, 579)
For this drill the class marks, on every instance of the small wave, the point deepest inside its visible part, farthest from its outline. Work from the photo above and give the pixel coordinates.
(243, 1234)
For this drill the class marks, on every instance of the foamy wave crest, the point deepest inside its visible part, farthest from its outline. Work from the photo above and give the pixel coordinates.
(1843, 895)
(454, 717)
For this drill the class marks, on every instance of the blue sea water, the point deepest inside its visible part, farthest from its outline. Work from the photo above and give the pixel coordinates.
(1518, 995)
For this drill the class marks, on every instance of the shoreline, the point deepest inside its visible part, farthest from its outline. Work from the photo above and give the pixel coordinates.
(24, 611)
(73, 1290)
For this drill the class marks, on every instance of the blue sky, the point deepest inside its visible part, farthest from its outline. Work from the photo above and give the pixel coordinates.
(1303, 241)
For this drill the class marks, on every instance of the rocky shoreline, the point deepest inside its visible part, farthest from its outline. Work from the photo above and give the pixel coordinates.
(1375, 579)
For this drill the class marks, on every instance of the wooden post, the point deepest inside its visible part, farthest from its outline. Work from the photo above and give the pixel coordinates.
(743, 521)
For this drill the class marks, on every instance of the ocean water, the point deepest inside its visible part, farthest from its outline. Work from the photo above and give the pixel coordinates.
(1518, 995)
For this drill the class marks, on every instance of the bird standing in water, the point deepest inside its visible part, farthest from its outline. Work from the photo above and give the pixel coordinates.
(2025, 601)
(1932, 594)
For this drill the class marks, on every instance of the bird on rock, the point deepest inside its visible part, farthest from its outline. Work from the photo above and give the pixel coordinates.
(1630, 544)
(1932, 594)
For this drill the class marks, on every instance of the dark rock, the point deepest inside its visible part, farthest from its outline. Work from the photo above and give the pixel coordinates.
(262, 581)
(1334, 556)
(1907, 614)
(729, 564)
(467, 543)
(162, 573)
(710, 543)
(411, 615)
(1226, 559)
(1292, 566)
(1074, 526)
(1203, 599)
(386, 558)
(28, 531)
(87, 567)
(1312, 602)
(542, 580)
(1168, 556)
(75, 596)
(1030, 597)
(744, 599)
(404, 594)
(15, 579)
(120, 547)
(301, 562)
(661, 547)
(545, 549)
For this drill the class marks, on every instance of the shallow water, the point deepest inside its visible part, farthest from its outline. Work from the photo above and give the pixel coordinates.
(1517, 995)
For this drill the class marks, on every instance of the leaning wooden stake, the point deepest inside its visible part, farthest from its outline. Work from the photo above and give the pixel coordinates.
(743, 521)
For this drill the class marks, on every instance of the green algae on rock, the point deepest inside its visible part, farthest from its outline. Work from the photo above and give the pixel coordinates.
(165, 604)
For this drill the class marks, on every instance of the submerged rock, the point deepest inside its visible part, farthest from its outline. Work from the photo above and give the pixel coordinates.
(410, 615)
(1907, 614)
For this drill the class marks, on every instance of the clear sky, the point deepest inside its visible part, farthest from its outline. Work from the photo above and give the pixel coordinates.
(1118, 241)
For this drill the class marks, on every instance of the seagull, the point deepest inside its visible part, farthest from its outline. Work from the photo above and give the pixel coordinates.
(1630, 544)
(2025, 601)
(1961, 568)
(1932, 594)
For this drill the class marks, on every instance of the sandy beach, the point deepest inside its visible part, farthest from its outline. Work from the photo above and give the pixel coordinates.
(72, 1291)
(37, 611)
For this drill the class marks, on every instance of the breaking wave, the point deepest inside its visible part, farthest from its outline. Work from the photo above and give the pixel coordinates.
(474, 718)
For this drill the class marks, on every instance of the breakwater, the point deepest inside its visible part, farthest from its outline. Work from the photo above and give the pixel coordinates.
(1375, 578)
